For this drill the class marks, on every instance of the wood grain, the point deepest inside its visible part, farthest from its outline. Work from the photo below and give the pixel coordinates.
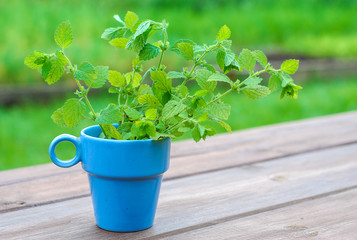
(45, 184)
(190, 203)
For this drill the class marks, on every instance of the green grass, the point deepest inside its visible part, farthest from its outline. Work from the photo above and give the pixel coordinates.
(310, 27)
(27, 130)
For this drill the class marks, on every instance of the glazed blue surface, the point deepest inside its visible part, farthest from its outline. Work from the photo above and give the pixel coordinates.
(124, 176)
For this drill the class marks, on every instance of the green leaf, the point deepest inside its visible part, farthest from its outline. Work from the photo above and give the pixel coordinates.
(286, 79)
(73, 111)
(171, 109)
(150, 100)
(63, 35)
(291, 90)
(150, 128)
(132, 113)
(290, 66)
(161, 81)
(183, 90)
(117, 17)
(246, 60)
(223, 33)
(202, 76)
(201, 93)
(130, 19)
(174, 74)
(30, 60)
(116, 79)
(101, 76)
(45, 70)
(57, 68)
(252, 82)
(274, 82)
(142, 28)
(135, 82)
(226, 126)
(186, 50)
(229, 57)
(220, 59)
(112, 33)
(148, 52)
(256, 92)
(144, 89)
(57, 117)
(112, 131)
(109, 115)
(260, 57)
(137, 43)
(219, 110)
(119, 42)
(175, 48)
(151, 114)
(196, 135)
(219, 77)
(85, 71)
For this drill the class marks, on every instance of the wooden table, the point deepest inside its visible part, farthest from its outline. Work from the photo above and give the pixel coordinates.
(295, 180)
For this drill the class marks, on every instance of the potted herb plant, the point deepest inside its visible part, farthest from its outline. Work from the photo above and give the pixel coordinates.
(126, 153)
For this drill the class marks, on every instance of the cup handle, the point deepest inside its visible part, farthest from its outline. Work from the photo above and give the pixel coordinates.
(55, 159)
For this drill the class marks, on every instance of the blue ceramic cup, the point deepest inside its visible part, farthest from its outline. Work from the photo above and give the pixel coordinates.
(124, 176)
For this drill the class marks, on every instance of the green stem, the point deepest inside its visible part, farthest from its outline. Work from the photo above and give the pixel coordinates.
(162, 50)
(224, 94)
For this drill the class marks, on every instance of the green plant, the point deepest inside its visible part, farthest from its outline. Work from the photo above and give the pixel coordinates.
(160, 110)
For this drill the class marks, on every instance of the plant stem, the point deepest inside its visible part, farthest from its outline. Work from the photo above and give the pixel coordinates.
(163, 49)
(224, 94)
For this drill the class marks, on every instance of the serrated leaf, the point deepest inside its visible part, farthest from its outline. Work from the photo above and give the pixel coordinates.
(196, 135)
(112, 131)
(151, 114)
(260, 57)
(150, 129)
(119, 42)
(161, 81)
(136, 44)
(227, 43)
(150, 100)
(45, 70)
(148, 52)
(132, 113)
(219, 77)
(198, 49)
(274, 82)
(171, 109)
(220, 59)
(100, 77)
(130, 19)
(252, 82)
(201, 93)
(112, 33)
(256, 92)
(109, 115)
(116, 79)
(30, 60)
(85, 71)
(63, 35)
(223, 33)
(183, 90)
(186, 50)
(144, 89)
(290, 66)
(135, 81)
(174, 74)
(175, 48)
(73, 111)
(246, 60)
(286, 79)
(142, 28)
(57, 117)
(40, 60)
(202, 76)
(229, 57)
(226, 126)
(220, 111)
(57, 68)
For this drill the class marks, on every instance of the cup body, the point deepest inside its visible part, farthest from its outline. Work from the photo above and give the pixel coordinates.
(124, 176)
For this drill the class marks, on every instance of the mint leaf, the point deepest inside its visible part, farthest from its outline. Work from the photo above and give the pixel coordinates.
(112, 33)
(223, 33)
(150, 129)
(57, 117)
(286, 79)
(174, 74)
(229, 57)
(137, 43)
(226, 126)
(148, 52)
(63, 35)
(196, 135)
(144, 89)
(135, 82)
(142, 28)
(219, 77)
(31, 60)
(101, 76)
(183, 90)
(85, 71)
(252, 82)
(57, 68)
(116, 79)
(171, 109)
(73, 111)
(256, 92)
(151, 114)
(109, 115)
(175, 48)
(186, 50)
(160, 80)
(149, 100)
(220, 59)
(130, 19)
(112, 131)
(45, 70)
(132, 113)
(260, 57)
(246, 60)
(117, 17)
(119, 42)
(274, 82)
(290, 66)
(219, 110)
(202, 76)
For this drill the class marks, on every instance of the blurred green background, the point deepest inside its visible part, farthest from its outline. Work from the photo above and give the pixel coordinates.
(313, 29)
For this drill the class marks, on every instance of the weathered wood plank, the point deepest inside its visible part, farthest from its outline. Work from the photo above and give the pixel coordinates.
(24, 188)
(192, 202)
(332, 217)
